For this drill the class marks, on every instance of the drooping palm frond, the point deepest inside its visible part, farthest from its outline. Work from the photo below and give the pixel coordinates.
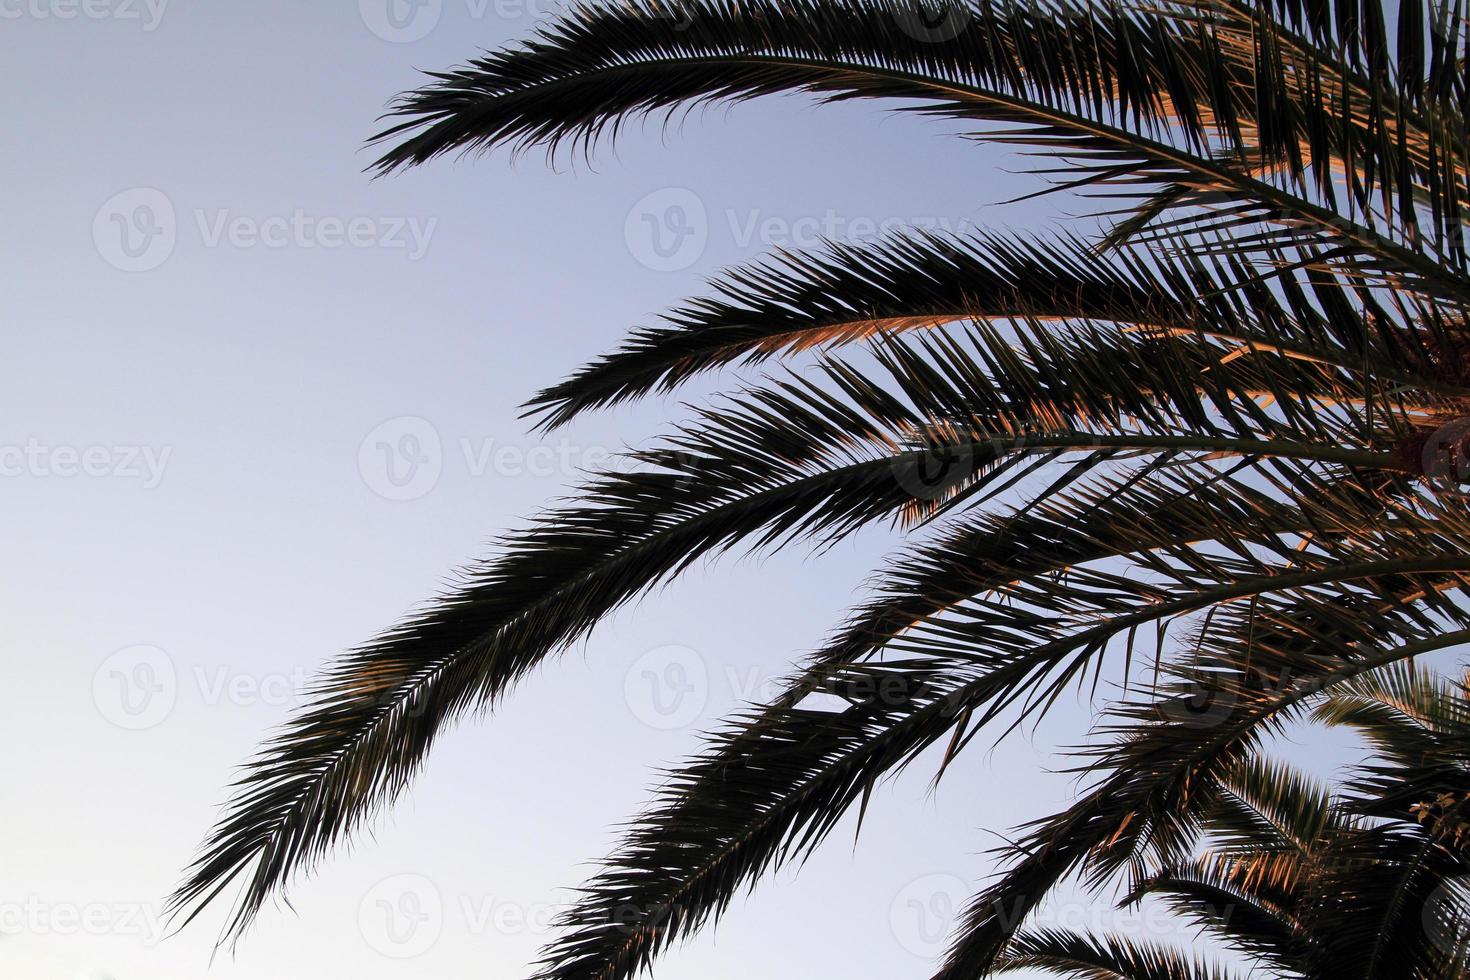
(1027, 640)
(1264, 662)
(1104, 958)
(799, 300)
(1271, 808)
(1239, 911)
(1142, 94)
(953, 418)
(742, 474)
(1303, 885)
(850, 293)
(1405, 712)
(807, 767)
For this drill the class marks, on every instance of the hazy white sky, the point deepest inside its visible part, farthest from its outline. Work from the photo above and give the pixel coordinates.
(257, 406)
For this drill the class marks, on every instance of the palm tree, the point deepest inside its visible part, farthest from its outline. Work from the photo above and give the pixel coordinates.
(1307, 883)
(1254, 379)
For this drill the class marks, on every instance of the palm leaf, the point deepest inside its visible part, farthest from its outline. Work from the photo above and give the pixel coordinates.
(1109, 958)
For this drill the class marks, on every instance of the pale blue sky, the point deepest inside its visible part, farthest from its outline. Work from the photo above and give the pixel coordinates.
(194, 503)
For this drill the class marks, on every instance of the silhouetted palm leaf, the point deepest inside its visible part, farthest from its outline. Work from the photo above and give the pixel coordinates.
(1297, 879)
(1103, 958)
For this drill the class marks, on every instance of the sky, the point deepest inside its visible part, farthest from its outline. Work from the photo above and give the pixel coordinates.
(258, 406)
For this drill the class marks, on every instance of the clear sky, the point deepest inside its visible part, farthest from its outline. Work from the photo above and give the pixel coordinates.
(257, 406)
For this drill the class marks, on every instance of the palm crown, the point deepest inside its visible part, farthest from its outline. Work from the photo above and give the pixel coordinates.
(1254, 380)
(1303, 880)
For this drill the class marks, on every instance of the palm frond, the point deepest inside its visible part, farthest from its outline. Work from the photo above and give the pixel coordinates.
(1066, 954)
(786, 461)
(772, 785)
(1167, 772)
(1211, 894)
(1404, 711)
(849, 293)
(1141, 94)
(1370, 912)
(1271, 807)
(705, 837)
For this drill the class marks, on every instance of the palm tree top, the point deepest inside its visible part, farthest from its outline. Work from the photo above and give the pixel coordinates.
(1248, 392)
(1302, 879)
